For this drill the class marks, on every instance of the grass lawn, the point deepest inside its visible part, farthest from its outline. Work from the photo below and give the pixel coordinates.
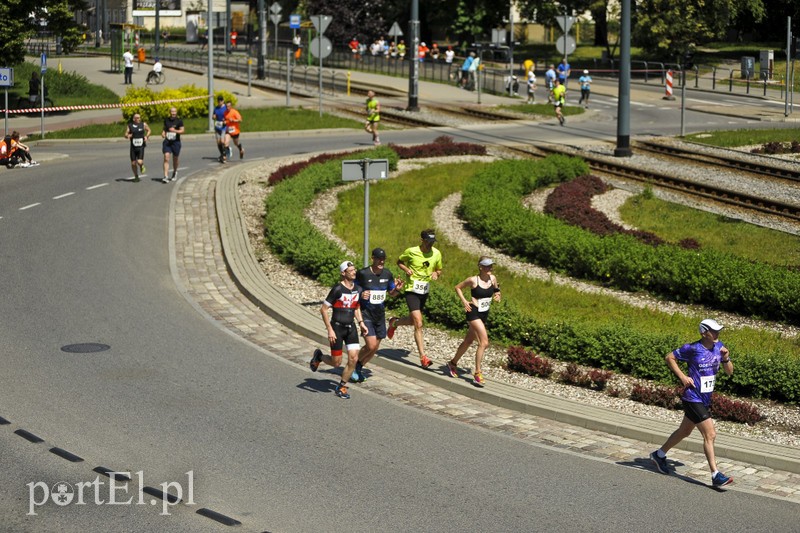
(64, 88)
(256, 119)
(400, 208)
(674, 222)
(744, 137)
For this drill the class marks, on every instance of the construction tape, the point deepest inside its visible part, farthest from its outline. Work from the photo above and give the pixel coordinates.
(103, 106)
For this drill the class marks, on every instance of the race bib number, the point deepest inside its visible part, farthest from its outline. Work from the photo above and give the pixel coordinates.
(138, 142)
(707, 383)
(421, 287)
(484, 304)
(231, 129)
(171, 135)
(377, 297)
(219, 124)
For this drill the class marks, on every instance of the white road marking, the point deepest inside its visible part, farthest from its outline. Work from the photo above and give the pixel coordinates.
(29, 206)
(60, 196)
(96, 186)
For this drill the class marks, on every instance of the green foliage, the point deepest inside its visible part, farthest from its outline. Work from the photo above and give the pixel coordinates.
(291, 236)
(157, 112)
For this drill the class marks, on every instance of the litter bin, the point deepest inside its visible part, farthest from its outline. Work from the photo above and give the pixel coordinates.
(766, 64)
(748, 67)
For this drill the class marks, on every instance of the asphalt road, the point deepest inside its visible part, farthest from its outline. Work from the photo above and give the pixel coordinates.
(265, 442)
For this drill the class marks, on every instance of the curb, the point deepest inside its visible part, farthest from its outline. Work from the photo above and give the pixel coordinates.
(247, 275)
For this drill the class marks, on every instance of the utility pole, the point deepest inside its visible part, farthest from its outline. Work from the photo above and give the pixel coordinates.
(623, 148)
(413, 71)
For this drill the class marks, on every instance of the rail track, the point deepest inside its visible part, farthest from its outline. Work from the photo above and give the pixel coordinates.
(679, 184)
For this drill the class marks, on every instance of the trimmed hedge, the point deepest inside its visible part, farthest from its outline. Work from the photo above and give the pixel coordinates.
(158, 112)
(491, 206)
(291, 236)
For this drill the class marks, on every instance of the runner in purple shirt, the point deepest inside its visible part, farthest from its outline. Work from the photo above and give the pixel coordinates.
(703, 359)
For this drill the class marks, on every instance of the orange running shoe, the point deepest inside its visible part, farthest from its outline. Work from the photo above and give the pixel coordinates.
(392, 327)
(424, 362)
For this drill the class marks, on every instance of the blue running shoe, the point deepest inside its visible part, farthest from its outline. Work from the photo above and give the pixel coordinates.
(720, 480)
(660, 462)
(316, 359)
(341, 392)
(355, 377)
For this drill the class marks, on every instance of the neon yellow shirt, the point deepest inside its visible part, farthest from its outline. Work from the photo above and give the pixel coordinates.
(422, 265)
(559, 94)
(372, 110)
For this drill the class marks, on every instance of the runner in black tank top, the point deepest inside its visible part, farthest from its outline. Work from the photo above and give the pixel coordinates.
(483, 291)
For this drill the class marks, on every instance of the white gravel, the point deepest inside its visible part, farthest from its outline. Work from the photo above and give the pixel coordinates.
(783, 422)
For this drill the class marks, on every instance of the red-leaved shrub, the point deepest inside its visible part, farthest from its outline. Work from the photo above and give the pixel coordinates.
(521, 360)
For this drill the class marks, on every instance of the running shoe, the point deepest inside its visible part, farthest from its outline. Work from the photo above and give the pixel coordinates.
(316, 359)
(660, 462)
(477, 379)
(341, 392)
(241, 152)
(229, 152)
(165, 179)
(136, 179)
(451, 370)
(24, 164)
(355, 377)
(392, 327)
(34, 164)
(720, 480)
(142, 168)
(425, 362)
(174, 175)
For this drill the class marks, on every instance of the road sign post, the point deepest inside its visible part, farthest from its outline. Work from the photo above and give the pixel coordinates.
(6, 81)
(365, 170)
(321, 23)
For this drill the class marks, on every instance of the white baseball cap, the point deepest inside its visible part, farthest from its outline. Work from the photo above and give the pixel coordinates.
(586, 72)
(344, 266)
(710, 324)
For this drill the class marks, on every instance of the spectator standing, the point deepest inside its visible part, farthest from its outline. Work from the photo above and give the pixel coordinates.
(449, 55)
(393, 51)
(171, 145)
(35, 85)
(401, 49)
(586, 88)
(435, 52)
(165, 37)
(127, 57)
(703, 358)
(423, 51)
(422, 264)
(355, 48)
(234, 38)
(549, 82)
(531, 87)
(466, 69)
(484, 289)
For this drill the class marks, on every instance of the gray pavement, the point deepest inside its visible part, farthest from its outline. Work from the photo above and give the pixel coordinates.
(224, 281)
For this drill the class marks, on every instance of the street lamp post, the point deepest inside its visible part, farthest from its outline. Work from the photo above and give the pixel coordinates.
(413, 71)
(623, 148)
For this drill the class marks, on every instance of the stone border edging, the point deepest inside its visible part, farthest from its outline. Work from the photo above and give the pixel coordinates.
(247, 275)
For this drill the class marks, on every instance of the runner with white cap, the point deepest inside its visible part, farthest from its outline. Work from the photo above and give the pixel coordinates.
(343, 298)
(586, 87)
(703, 359)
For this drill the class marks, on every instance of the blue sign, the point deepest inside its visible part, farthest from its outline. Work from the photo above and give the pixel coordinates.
(294, 21)
(44, 62)
(6, 77)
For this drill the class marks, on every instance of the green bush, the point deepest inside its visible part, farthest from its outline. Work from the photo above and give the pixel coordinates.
(492, 209)
(156, 113)
(291, 236)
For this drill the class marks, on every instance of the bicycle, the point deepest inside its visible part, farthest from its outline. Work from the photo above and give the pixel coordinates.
(155, 78)
(24, 102)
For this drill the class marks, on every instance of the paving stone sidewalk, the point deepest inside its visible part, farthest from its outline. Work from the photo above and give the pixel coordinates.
(199, 266)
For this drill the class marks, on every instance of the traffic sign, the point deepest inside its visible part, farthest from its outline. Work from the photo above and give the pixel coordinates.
(565, 45)
(321, 22)
(395, 30)
(6, 77)
(376, 169)
(275, 8)
(44, 62)
(565, 21)
(321, 47)
(294, 22)
(275, 18)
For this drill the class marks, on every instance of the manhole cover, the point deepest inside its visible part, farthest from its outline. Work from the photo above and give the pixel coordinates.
(86, 347)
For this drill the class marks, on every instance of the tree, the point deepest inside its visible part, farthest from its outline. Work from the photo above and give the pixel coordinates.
(19, 20)
(667, 27)
(360, 18)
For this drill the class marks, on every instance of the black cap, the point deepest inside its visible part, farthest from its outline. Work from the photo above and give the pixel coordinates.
(379, 253)
(428, 235)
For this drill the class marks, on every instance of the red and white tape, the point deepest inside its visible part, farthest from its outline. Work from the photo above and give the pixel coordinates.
(103, 106)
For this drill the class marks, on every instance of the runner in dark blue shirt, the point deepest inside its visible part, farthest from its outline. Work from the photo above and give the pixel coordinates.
(377, 283)
(219, 127)
(703, 359)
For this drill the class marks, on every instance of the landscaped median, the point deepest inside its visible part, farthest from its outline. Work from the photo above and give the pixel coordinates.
(767, 366)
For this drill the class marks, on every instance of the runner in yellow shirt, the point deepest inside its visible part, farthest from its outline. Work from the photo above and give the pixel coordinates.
(559, 94)
(373, 117)
(422, 264)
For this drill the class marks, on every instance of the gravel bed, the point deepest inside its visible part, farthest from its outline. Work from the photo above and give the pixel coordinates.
(783, 422)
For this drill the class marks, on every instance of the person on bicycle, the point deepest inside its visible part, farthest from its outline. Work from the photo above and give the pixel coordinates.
(154, 75)
(34, 86)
